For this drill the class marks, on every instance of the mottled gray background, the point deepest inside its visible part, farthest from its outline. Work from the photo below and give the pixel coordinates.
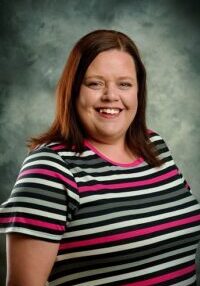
(35, 39)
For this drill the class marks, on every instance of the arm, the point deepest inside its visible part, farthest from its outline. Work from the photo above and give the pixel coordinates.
(29, 261)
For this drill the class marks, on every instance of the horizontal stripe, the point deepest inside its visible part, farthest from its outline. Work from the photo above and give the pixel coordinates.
(117, 169)
(60, 146)
(32, 211)
(35, 191)
(27, 221)
(114, 224)
(143, 200)
(127, 246)
(130, 234)
(71, 154)
(124, 194)
(188, 282)
(164, 277)
(40, 182)
(32, 232)
(129, 212)
(50, 174)
(119, 176)
(98, 187)
(37, 202)
(44, 153)
(138, 256)
(46, 165)
(127, 266)
(134, 222)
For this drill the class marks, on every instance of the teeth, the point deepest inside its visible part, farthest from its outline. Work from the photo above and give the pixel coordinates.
(109, 110)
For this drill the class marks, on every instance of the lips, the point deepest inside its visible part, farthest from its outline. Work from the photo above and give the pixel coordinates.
(109, 110)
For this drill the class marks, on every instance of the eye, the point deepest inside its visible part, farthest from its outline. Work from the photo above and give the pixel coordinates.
(125, 85)
(95, 84)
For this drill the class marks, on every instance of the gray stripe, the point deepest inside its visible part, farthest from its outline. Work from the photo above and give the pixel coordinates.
(127, 257)
(104, 169)
(188, 282)
(129, 265)
(121, 213)
(133, 202)
(160, 146)
(57, 194)
(84, 162)
(37, 203)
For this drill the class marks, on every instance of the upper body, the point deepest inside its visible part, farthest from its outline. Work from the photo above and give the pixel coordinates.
(99, 199)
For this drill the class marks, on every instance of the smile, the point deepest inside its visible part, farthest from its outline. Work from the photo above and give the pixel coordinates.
(109, 110)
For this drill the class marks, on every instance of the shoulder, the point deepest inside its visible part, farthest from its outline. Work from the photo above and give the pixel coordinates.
(55, 157)
(51, 151)
(48, 157)
(44, 152)
(155, 137)
(159, 143)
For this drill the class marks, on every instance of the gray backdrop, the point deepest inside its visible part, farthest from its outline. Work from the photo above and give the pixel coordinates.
(36, 37)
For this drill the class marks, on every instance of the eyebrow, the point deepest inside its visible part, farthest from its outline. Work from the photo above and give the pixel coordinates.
(101, 77)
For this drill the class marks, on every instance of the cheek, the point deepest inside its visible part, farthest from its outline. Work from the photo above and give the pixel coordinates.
(131, 102)
(84, 101)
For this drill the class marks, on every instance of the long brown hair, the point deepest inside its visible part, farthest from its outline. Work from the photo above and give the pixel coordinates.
(66, 126)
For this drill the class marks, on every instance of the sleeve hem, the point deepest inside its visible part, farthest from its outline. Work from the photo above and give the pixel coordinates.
(49, 238)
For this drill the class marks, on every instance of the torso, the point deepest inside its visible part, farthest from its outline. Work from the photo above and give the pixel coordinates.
(135, 225)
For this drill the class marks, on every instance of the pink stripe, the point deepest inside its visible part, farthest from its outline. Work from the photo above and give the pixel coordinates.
(48, 173)
(150, 131)
(130, 234)
(128, 185)
(58, 147)
(165, 277)
(32, 222)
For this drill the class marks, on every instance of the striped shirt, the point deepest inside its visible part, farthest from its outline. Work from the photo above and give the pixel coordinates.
(116, 224)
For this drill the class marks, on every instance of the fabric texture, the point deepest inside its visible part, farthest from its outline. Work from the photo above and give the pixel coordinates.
(117, 224)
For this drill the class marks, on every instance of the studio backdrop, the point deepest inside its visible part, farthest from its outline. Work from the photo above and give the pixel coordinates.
(36, 37)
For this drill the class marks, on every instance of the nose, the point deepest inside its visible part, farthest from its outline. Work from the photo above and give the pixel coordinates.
(110, 93)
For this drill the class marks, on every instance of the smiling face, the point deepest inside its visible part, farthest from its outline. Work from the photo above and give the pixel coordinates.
(107, 101)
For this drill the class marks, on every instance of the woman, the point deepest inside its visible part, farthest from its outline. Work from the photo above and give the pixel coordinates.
(99, 200)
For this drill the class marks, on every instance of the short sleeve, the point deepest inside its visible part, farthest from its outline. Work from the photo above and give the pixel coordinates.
(38, 204)
(166, 156)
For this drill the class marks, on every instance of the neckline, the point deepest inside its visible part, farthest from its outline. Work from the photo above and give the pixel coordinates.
(105, 158)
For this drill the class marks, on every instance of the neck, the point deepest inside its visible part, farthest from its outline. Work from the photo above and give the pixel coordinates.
(117, 151)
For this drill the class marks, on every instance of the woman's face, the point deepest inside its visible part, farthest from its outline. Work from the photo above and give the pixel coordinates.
(107, 101)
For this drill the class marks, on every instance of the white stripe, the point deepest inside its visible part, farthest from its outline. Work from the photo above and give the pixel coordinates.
(125, 265)
(47, 163)
(131, 212)
(186, 282)
(152, 269)
(103, 281)
(73, 195)
(72, 154)
(88, 178)
(132, 222)
(47, 154)
(117, 194)
(31, 232)
(34, 212)
(40, 181)
(69, 193)
(155, 138)
(37, 202)
(133, 245)
(114, 168)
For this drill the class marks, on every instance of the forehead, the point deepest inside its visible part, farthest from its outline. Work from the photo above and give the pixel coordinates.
(112, 61)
